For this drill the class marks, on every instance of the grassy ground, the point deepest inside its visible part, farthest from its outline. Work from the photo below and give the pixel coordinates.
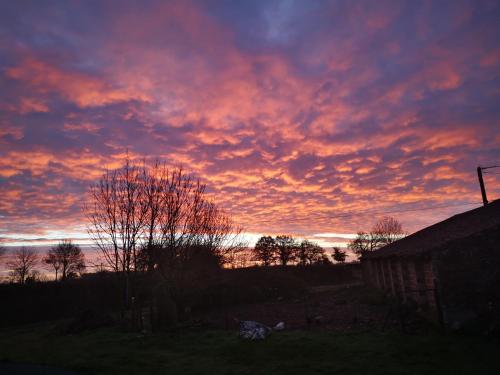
(109, 351)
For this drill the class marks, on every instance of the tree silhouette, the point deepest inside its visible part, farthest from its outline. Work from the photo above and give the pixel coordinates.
(52, 261)
(180, 218)
(236, 257)
(265, 250)
(285, 249)
(364, 242)
(385, 231)
(339, 255)
(22, 265)
(66, 257)
(117, 214)
(161, 221)
(308, 252)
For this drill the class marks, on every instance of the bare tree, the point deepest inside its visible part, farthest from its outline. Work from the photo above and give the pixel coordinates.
(309, 253)
(285, 249)
(181, 220)
(158, 220)
(117, 213)
(68, 258)
(243, 259)
(265, 250)
(53, 262)
(173, 218)
(186, 235)
(236, 257)
(385, 231)
(22, 265)
(217, 232)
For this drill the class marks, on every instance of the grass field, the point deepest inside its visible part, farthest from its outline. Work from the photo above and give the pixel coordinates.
(109, 351)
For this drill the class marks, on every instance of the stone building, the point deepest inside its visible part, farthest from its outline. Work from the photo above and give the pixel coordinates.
(449, 271)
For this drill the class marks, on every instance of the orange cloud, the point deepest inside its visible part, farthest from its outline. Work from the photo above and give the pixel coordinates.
(345, 115)
(83, 90)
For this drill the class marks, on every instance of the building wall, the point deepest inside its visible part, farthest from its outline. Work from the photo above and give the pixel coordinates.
(410, 279)
(469, 281)
(457, 285)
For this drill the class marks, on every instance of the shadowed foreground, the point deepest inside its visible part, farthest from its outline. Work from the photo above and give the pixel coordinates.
(108, 351)
(29, 369)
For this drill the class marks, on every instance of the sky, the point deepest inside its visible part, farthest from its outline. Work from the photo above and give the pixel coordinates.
(311, 118)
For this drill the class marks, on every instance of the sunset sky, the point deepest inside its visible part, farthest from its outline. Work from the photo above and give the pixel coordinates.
(312, 118)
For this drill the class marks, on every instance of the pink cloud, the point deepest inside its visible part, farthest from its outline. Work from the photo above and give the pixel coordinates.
(287, 137)
(79, 88)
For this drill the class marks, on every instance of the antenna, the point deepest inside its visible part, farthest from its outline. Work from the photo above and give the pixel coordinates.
(481, 182)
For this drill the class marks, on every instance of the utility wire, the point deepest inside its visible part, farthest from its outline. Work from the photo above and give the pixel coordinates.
(361, 213)
(358, 213)
(403, 210)
(491, 166)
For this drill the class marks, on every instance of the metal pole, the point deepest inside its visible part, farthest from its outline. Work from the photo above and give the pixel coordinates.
(481, 184)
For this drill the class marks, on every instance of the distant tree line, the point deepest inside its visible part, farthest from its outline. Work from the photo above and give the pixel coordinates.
(24, 263)
(67, 259)
(286, 250)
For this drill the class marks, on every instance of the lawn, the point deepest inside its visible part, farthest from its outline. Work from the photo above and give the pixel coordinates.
(109, 351)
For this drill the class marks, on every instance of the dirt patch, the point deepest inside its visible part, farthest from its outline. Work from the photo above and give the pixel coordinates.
(327, 307)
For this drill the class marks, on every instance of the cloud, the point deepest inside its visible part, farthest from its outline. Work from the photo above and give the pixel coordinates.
(293, 113)
(79, 88)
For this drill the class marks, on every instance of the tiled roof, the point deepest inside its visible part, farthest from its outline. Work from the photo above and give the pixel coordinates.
(456, 227)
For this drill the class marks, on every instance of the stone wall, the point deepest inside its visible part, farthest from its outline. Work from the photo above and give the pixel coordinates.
(457, 284)
(469, 281)
(409, 278)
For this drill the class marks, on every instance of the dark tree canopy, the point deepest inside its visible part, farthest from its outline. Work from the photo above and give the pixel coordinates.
(66, 257)
(286, 249)
(363, 243)
(310, 253)
(339, 256)
(265, 250)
